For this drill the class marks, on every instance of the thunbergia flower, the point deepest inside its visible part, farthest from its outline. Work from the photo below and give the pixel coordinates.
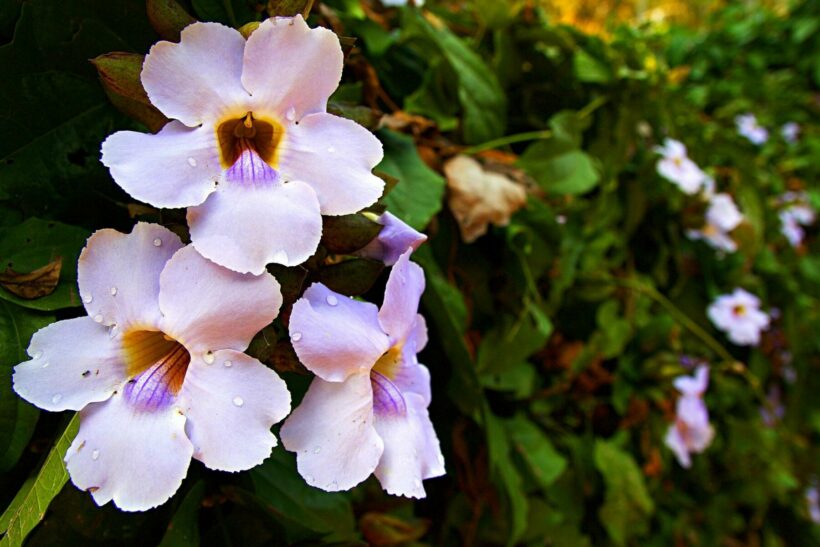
(790, 131)
(747, 126)
(156, 369)
(393, 240)
(366, 410)
(722, 216)
(251, 151)
(691, 432)
(794, 215)
(738, 315)
(676, 167)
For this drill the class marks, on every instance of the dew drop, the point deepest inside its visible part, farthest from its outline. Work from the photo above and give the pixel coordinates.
(238, 401)
(280, 257)
(192, 162)
(88, 299)
(290, 114)
(98, 318)
(45, 365)
(228, 364)
(296, 336)
(56, 398)
(113, 291)
(330, 150)
(157, 242)
(331, 300)
(95, 455)
(417, 483)
(208, 357)
(38, 354)
(317, 449)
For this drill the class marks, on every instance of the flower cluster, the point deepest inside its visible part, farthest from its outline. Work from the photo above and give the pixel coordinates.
(691, 432)
(157, 369)
(795, 214)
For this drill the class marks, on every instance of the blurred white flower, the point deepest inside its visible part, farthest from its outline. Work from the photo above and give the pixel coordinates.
(794, 215)
(676, 167)
(722, 216)
(790, 131)
(738, 315)
(748, 127)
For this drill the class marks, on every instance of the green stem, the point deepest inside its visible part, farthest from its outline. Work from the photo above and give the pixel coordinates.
(509, 139)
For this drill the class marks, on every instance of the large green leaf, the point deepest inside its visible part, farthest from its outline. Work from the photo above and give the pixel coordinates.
(417, 197)
(17, 417)
(544, 462)
(484, 107)
(34, 244)
(183, 530)
(303, 511)
(30, 504)
(627, 505)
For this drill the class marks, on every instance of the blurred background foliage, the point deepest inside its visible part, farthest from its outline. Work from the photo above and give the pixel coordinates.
(554, 339)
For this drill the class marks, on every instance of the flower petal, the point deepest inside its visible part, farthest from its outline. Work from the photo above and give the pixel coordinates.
(289, 65)
(244, 228)
(332, 433)
(411, 450)
(198, 79)
(118, 274)
(177, 167)
(74, 362)
(138, 459)
(674, 441)
(335, 156)
(399, 310)
(207, 307)
(693, 386)
(231, 405)
(394, 238)
(335, 336)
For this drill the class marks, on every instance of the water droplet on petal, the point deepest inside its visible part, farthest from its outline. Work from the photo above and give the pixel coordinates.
(280, 257)
(192, 162)
(113, 291)
(228, 364)
(88, 299)
(56, 398)
(157, 242)
(417, 483)
(330, 149)
(38, 354)
(309, 478)
(317, 449)
(331, 300)
(296, 336)
(238, 401)
(95, 455)
(208, 357)
(45, 365)
(290, 114)
(98, 318)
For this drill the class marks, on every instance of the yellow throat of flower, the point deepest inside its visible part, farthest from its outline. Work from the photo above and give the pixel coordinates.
(235, 135)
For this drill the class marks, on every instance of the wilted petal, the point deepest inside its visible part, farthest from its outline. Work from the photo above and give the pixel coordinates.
(177, 167)
(118, 274)
(335, 336)
(208, 307)
(138, 459)
(335, 156)
(411, 450)
(200, 78)
(231, 405)
(74, 362)
(246, 227)
(289, 65)
(332, 433)
(401, 299)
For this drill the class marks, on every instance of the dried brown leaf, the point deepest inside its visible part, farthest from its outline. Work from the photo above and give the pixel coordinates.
(41, 282)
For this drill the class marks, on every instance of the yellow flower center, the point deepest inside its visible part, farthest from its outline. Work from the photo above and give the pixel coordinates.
(144, 349)
(388, 364)
(237, 135)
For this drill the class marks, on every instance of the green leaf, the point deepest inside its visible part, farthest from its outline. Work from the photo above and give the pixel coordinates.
(512, 341)
(418, 195)
(234, 13)
(120, 76)
(627, 505)
(506, 476)
(17, 417)
(302, 510)
(168, 18)
(589, 69)
(183, 530)
(30, 504)
(544, 462)
(481, 97)
(35, 243)
(446, 312)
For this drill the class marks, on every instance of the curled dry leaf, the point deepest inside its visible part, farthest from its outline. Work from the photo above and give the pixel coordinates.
(41, 282)
(383, 529)
(479, 197)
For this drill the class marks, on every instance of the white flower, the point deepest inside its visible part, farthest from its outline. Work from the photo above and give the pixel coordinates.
(748, 127)
(722, 216)
(794, 215)
(676, 167)
(790, 131)
(739, 316)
